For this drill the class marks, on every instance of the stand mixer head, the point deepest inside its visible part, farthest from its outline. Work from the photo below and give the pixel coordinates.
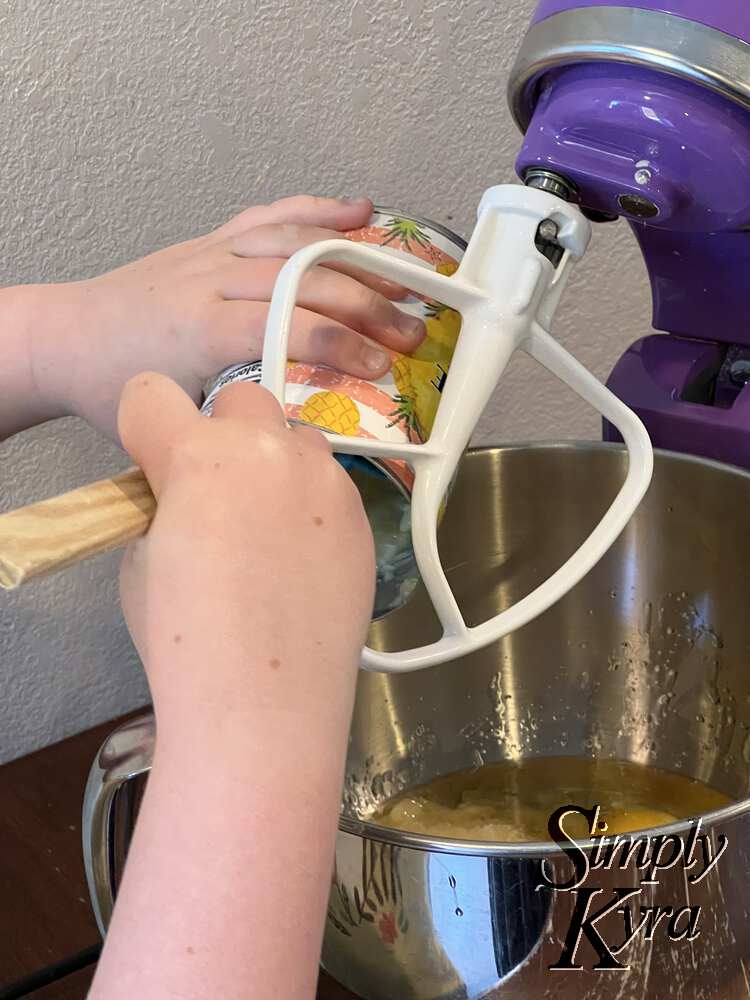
(641, 109)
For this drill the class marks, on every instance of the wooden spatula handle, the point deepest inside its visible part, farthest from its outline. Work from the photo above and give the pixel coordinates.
(67, 529)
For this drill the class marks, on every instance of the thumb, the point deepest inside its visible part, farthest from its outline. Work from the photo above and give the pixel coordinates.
(153, 414)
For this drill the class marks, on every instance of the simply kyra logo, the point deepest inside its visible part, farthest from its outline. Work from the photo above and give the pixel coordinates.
(696, 855)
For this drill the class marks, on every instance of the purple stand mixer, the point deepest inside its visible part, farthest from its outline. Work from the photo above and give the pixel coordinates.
(641, 109)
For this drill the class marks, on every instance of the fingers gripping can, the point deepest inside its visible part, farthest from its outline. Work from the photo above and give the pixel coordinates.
(398, 407)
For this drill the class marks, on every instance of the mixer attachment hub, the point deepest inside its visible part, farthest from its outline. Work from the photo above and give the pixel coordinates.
(548, 180)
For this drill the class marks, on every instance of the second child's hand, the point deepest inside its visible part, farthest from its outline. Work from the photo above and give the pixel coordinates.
(248, 601)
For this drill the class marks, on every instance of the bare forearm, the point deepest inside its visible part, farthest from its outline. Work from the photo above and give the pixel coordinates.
(249, 610)
(227, 880)
(28, 314)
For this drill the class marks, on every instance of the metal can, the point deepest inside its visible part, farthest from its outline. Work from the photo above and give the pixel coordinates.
(398, 407)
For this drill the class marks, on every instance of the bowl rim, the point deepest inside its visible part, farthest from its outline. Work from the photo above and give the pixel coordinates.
(581, 444)
(367, 830)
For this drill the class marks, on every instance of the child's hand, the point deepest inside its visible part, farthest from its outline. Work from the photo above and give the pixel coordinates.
(248, 599)
(193, 309)
(258, 567)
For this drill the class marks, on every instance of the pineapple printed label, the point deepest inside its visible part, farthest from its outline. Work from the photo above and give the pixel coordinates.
(401, 406)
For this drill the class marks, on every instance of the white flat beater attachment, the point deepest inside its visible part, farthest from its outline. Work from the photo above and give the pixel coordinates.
(506, 289)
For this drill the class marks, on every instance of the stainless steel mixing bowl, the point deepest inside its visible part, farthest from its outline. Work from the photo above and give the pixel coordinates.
(647, 660)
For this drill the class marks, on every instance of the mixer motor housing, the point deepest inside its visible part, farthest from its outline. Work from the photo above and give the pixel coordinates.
(641, 110)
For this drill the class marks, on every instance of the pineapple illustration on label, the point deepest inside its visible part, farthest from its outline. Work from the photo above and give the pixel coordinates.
(407, 232)
(333, 411)
(419, 386)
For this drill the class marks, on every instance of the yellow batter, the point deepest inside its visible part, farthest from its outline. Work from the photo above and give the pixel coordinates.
(512, 801)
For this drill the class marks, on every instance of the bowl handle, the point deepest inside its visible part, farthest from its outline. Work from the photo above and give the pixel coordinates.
(110, 807)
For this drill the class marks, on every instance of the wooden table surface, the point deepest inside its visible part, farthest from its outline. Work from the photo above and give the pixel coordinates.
(49, 942)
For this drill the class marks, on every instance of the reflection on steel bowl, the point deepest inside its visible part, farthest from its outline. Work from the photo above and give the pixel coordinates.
(646, 661)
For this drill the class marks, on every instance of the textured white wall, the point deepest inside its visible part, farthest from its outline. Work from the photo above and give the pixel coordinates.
(130, 126)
